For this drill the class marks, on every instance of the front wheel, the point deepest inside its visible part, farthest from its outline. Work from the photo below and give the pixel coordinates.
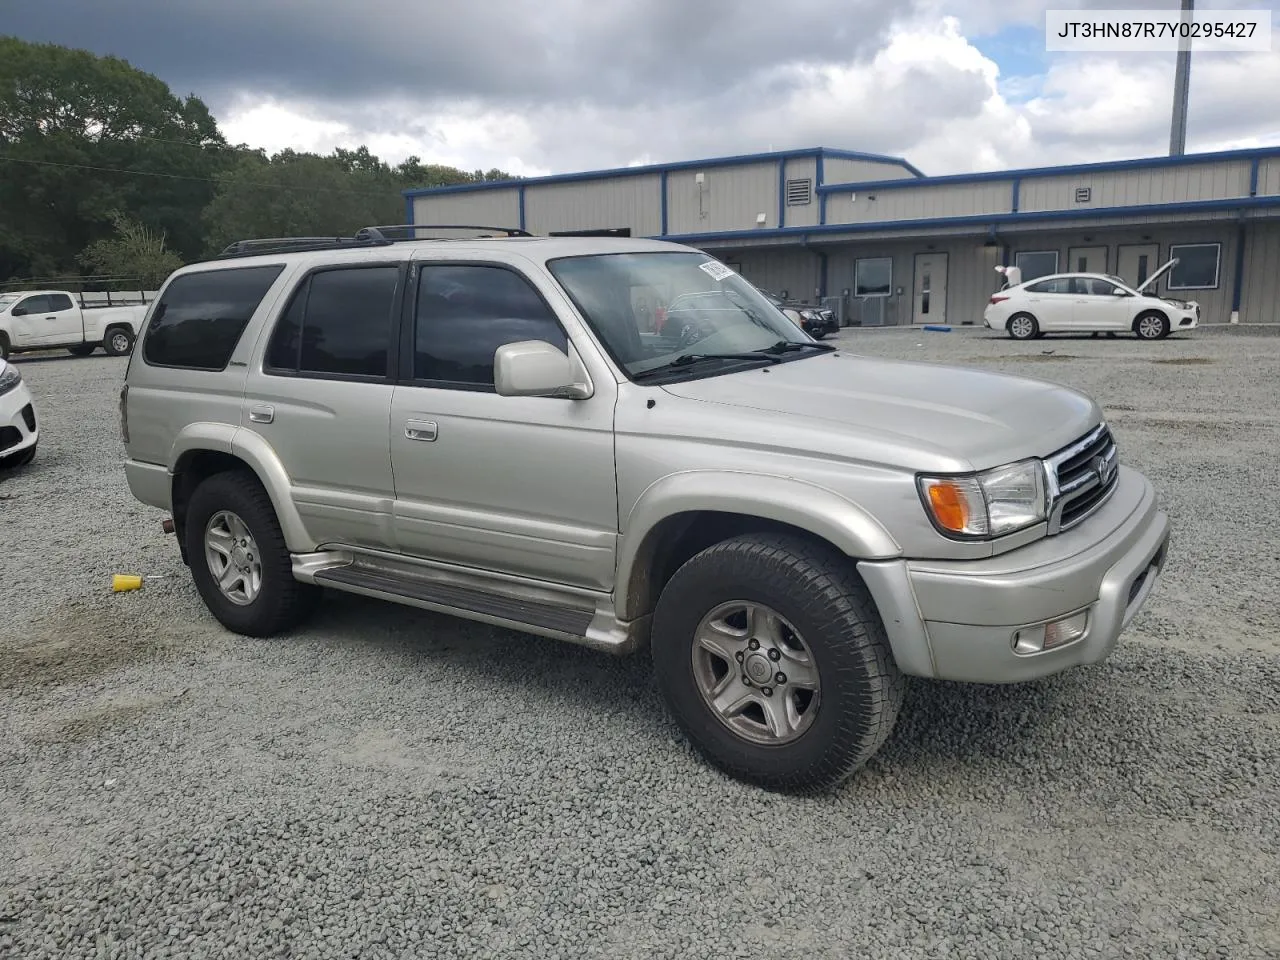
(1151, 326)
(118, 341)
(239, 560)
(772, 658)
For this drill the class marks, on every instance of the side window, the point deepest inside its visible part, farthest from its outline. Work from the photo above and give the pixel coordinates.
(1061, 285)
(465, 313)
(199, 319)
(58, 302)
(32, 305)
(337, 323)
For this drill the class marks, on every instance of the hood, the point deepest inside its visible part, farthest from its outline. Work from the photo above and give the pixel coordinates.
(920, 415)
(1157, 275)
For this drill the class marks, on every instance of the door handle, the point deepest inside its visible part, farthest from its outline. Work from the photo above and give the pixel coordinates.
(54, 317)
(420, 429)
(262, 413)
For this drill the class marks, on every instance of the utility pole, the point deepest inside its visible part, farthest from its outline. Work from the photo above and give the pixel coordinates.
(1181, 87)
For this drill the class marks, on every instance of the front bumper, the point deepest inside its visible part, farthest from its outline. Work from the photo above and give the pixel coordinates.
(19, 427)
(956, 620)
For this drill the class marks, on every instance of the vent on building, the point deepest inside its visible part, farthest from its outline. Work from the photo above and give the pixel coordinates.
(1083, 194)
(799, 192)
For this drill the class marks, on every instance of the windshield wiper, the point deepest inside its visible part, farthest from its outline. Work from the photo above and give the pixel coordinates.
(791, 346)
(770, 355)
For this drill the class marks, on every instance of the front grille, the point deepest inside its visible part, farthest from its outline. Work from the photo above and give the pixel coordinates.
(1081, 478)
(9, 437)
(29, 415)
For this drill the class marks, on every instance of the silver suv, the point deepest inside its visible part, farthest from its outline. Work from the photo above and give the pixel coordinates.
(498, 428)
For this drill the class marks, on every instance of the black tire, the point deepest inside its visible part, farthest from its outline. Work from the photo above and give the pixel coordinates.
(18, 459)
(4, 346)
(117, 341)
(282, 602)
(816, 589)
(1027, 327)
(82, 349)
(1155, 327)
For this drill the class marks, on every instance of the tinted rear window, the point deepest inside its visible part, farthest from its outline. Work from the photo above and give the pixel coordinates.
(200, 318)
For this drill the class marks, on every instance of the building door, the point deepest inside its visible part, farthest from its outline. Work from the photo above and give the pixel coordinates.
(1137, 262)
(930, 303)
(1087, 260)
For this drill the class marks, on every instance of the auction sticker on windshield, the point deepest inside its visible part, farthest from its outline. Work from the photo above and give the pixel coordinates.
(717, 271)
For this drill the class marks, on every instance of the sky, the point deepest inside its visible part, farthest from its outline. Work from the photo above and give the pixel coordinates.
(536, 87)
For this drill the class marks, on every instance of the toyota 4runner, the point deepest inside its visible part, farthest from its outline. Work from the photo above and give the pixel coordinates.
(485, 426)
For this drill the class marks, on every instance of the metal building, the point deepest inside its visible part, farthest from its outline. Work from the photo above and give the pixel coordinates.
(885, 244)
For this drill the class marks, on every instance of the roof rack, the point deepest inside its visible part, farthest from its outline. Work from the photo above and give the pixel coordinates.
(379, 236)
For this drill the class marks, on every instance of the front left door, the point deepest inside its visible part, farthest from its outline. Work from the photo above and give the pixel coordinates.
(515, 485)
(1098, 304)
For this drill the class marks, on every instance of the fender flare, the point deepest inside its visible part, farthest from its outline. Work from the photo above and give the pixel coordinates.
(257, 454)
(810, 507)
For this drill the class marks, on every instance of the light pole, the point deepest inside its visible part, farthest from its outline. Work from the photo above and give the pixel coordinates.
(1181, 87)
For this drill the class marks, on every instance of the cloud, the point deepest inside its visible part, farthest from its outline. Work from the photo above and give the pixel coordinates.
(566, 85)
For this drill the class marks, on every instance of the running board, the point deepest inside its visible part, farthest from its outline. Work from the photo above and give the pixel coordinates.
(584, 620)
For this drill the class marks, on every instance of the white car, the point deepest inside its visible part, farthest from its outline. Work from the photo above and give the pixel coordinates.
(19, 432)
(1088, 303)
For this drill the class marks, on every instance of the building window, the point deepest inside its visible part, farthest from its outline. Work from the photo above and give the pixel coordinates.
(1197, 267)
(1036, 263)
(873, 277)
(799, 192)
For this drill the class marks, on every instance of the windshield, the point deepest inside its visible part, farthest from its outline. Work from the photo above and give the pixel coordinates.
(7, 299)
(650, 309)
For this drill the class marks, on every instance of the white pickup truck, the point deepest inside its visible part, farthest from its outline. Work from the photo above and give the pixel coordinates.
(48, 319)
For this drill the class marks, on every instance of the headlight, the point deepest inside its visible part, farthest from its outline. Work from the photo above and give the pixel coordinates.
(10, 377)
(988, 504)
(809, 314)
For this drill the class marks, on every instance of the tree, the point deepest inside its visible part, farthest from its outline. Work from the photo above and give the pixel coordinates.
(82, 137)
(135, 251)
(299, 195)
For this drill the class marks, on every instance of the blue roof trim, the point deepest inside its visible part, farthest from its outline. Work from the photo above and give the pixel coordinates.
(1148, 163)
(990, 219)
(869, 158)
(731, 161)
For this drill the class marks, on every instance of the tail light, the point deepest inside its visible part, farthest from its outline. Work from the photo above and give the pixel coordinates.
(124, 413)
(996, 298)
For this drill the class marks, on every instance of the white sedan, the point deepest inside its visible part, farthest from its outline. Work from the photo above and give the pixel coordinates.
(19, 433)
(1087, 303)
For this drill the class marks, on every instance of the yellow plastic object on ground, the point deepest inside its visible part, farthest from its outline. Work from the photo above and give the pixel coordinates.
(125, 581)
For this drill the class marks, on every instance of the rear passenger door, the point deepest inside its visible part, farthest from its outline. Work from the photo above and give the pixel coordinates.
(64, 320)
(516, 485)
(1050, 302)
(321, 397)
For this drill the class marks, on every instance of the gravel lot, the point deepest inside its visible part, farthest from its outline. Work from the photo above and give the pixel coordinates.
(391, 783)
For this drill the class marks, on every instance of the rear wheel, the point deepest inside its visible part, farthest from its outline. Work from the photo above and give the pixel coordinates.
(1151, 325)
(773, 660)
(239, 560)
(1023, 326)
(4, 346)
(118, 341)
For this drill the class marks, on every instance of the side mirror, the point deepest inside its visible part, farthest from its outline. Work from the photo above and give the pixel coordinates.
(534, 368)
